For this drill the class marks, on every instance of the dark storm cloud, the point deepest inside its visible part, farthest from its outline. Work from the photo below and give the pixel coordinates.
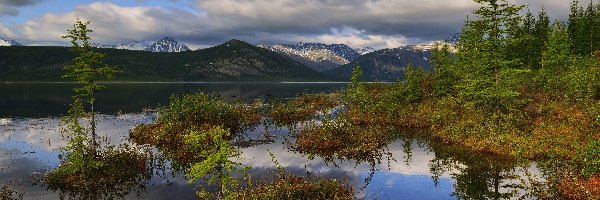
(8, 10)
(18, 2)
(10, 7)
(428, 19)
(378, 23)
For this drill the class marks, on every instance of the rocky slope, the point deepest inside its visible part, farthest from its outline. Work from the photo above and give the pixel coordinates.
(318, 56)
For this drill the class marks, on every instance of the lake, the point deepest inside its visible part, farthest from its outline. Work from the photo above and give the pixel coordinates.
(413, 168)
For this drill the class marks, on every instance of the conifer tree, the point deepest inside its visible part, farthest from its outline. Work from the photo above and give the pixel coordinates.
(86, 69)
(558, 49)
(482, 56)
(441, 61)
(540, 36)
(525, 50)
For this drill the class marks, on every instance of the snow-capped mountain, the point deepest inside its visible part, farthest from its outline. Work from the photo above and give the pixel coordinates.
(454, 39)
(135, 45)
(102, 46)
(316, 59)
(432, 45)
(4, 42)
(339, 49)
(365, 50)
(167, 44)
(317, 56)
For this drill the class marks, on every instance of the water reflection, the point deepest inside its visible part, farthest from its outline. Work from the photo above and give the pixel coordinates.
(417, 168)
(52, 99)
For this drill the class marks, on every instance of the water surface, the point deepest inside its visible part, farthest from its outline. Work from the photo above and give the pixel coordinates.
(415, 167)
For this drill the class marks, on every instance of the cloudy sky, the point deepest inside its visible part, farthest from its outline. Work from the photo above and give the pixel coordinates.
(203, 23)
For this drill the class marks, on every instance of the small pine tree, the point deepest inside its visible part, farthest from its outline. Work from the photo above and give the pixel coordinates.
(86, 69)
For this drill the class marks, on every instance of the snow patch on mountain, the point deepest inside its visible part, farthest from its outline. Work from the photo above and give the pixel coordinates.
(364, 50)
(317, 56)
(167, 44)
(135, 45)
(4, 42)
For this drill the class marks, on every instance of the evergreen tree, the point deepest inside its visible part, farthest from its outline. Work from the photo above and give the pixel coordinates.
(526, 49)
(540, 36)
(86, 69)
(556, 58)
(441, 61)
(558, 49)
(574, 25)
(486, 74)
(584, 28)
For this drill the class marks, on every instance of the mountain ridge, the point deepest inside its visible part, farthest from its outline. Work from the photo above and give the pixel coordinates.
(234, 60)
(166, 44)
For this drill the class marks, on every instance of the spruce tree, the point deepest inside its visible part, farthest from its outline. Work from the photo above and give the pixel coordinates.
(525, 50)
(486, 80)
(86, 69)
(444, 77)
(540, 35)
(558, 49)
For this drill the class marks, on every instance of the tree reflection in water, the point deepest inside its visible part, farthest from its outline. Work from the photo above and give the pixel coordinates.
(476, 175)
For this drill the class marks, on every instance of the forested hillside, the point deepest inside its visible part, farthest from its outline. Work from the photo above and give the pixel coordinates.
(232, 61)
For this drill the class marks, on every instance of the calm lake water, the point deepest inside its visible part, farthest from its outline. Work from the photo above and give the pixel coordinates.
(415, 167)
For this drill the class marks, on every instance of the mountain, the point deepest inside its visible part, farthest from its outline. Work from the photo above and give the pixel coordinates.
(364, 50)
(454, 39)
(385, 64)
(4, 42)
(231, 61)
(135, 45)
(316, 59)
(167, 44)
(338, 49)
(318, 56)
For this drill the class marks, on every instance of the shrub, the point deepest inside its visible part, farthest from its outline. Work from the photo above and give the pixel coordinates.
(193, 113)
(302, 108)
(297, 188)
(215, 167)
(107, 174)
(588, 159)
(339, 139)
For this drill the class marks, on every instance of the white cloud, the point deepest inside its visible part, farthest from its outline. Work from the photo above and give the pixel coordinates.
(110, 23)
(359, 38)
(378, 23)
